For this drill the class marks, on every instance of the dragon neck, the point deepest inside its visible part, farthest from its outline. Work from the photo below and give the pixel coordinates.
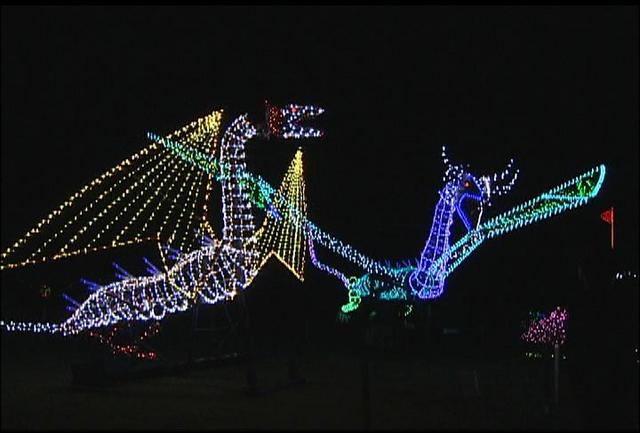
(438, 241)
(238, 223)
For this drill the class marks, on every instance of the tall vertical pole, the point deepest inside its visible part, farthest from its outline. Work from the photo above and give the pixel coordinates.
(612, 223)
(556, 375)
(366, 384)
(192, 334)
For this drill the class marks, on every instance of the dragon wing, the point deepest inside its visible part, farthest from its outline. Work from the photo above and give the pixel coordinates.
(153, 195)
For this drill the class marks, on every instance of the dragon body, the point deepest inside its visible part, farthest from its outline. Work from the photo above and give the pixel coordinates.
(218, 270)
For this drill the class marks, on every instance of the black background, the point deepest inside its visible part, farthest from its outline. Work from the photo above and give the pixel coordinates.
(556, 88)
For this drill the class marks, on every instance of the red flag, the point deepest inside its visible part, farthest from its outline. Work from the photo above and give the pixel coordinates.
(607, 216)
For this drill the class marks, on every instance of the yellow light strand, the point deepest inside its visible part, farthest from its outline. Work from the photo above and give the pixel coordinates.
(281, 237)
(151, 197)
(90, 206)
(212, 123)
(190, 219)
(75, 253)
(202, 127)
(204, 131)
(160, 175)
(199, 175)
(97, 181)
(210, 178)
(194, 137)
(119, 198)
(172, 236)
(171, 208)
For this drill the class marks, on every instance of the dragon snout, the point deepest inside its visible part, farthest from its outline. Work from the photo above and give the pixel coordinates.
(285, 121)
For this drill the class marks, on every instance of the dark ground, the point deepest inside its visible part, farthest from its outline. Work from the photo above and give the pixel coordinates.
(414, 394)
(409, 389)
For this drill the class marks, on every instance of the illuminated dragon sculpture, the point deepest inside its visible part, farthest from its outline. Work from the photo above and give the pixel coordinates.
(220, 268)
(463, 195)
(211, 273)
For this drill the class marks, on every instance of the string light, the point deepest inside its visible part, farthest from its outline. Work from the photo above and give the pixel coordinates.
(538, 355)
(626, 275)
(132, 349)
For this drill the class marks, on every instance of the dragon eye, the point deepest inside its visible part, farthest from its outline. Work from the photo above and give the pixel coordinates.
(466, 184)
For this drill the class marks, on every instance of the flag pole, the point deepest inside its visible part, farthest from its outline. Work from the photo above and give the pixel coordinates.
(612, 223)
(556, 375)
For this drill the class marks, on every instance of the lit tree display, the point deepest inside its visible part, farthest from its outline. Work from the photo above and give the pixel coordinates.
(548, 328)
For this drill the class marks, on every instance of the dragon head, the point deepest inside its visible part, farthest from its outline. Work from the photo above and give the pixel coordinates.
(284, 122)
(470, 193)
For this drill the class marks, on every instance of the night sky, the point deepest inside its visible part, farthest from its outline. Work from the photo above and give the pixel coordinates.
(554, 88)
